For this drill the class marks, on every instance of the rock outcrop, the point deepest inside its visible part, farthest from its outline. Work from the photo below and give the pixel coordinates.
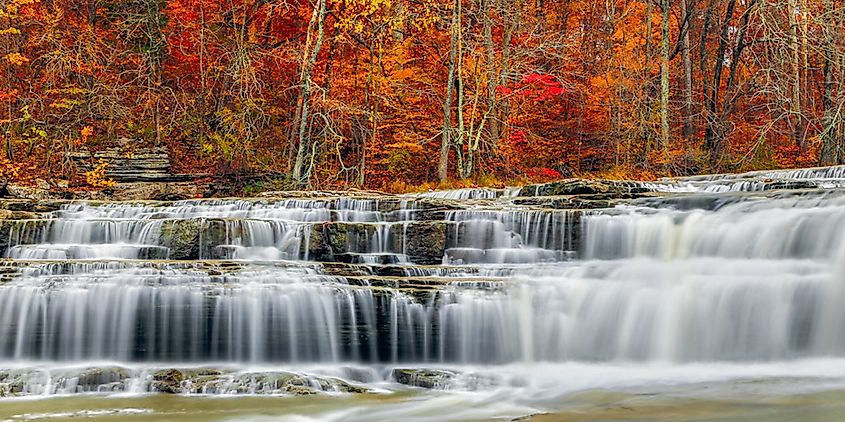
(126, 165)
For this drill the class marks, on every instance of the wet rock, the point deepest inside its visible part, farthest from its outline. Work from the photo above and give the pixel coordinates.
(345, 387)
(168, 381)
(566, 187)
(424, 378)
(608, 188)
(425, 242)
(21, 232)
(210, 381)
(91, 379)
(182, 238)
(328, 242)
(11, 383)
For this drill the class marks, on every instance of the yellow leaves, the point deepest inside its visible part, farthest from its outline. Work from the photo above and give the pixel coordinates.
(97, 177)
(355, 13)
(10, 31)
(65, 104)
(17, 59)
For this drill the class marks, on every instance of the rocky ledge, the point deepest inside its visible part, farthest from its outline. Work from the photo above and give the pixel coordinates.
(212, 381)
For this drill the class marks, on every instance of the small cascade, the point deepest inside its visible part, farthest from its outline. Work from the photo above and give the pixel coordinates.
(790, 228)
(511, 236)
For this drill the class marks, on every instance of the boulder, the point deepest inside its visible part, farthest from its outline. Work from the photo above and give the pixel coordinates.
(423, 378)
(168, 381)
(91, 379)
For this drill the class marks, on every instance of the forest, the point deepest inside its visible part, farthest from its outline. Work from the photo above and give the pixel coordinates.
(398, 94)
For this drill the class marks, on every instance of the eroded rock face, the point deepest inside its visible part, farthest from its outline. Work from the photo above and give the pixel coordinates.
(156, 191)
(425, 242)
(16, 231)
(329, 242)
(126, 165)
(182, 238)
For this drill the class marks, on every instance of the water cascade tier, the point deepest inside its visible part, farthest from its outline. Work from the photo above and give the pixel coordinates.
(197, 296)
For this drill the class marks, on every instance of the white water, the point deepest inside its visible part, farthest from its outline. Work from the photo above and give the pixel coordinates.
(536, 300)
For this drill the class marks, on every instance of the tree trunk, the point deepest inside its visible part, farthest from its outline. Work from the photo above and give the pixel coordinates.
(714, 136)
(301, 170)
(687, 59)
(492, 74)
(795, 62)
(664, 79)
(831, 152)
(446, 138)
(645, 108)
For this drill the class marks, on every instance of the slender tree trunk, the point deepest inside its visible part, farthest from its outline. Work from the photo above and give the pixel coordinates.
(795, 62)
(686, 56)
(664, 79)
(446, 138)
(645, 101)
(509, 9)
(459, 74)
(714, 135)
(301, 174)
(831, 152)
(492, 74)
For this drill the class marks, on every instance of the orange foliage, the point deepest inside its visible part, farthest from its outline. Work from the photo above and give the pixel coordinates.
(543, 90)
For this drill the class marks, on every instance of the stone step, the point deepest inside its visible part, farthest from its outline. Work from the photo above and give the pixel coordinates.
(55, 273)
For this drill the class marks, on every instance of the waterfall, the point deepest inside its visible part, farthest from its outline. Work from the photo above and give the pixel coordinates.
(707, 276)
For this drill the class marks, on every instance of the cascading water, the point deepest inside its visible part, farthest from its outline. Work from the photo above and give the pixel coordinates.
(465, 281)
